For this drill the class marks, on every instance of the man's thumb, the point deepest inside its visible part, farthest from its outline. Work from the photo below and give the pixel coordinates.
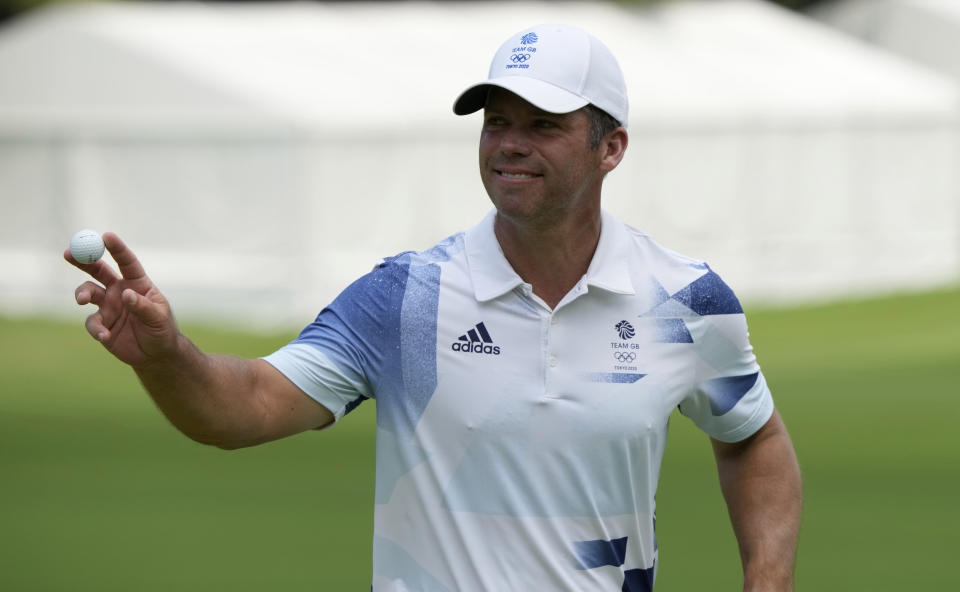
(145, 310)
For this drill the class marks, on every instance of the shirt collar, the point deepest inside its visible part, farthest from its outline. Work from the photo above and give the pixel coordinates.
(610, 268)
(490, 271)
(493, 276)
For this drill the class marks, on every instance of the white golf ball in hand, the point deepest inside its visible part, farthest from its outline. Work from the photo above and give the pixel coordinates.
(86, 246)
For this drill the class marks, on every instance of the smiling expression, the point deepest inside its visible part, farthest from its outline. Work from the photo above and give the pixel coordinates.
(535, 165)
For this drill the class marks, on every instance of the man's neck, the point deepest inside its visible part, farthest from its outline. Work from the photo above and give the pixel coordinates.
(553, 257)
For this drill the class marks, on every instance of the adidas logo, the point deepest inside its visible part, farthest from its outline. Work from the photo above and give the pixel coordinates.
(476, 341)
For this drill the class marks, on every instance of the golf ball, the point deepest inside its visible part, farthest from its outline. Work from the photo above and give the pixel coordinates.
(86, 246)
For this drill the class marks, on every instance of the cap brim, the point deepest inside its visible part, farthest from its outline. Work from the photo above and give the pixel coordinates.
(542, 95)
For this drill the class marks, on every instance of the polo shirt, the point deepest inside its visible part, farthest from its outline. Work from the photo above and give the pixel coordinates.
(519, 447)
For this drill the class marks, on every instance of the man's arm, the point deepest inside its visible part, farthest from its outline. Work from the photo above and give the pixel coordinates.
(226, 401)
(760, 480)
(220, 400)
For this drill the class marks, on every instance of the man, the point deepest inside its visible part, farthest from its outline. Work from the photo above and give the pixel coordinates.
(524, 370)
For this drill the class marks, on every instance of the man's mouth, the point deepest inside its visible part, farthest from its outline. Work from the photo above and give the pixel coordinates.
(508, 175)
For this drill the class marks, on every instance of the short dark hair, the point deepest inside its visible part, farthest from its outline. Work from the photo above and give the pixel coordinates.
(601, 124)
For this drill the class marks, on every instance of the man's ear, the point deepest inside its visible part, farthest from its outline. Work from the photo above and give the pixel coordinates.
(613, 146)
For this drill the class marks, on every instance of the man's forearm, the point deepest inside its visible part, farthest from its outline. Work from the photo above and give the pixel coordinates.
(208, 397)
(760, 480)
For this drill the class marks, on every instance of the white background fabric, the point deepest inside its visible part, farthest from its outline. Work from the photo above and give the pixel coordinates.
(260, 157)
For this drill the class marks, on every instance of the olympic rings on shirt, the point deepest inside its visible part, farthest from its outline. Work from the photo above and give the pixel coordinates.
(624, 357)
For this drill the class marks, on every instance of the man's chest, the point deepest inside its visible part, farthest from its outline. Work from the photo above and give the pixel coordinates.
(595, 366)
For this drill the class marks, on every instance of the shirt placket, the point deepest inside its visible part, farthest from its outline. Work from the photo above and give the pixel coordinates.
(551, 361)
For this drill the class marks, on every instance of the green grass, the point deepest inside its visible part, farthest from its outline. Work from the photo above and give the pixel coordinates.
(870, 392)
(98, 492)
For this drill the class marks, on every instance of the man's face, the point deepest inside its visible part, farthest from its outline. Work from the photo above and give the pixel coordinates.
(537, 166)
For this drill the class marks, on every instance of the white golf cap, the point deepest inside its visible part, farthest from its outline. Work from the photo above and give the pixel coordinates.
(557, 68)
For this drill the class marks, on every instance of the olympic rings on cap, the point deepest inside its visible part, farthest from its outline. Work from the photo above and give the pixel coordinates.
(519, 57)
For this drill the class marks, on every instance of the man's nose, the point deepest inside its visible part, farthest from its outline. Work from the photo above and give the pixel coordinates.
(515, 141)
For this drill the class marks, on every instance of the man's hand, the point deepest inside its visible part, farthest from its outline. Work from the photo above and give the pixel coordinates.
(133, 320)
(214, 399)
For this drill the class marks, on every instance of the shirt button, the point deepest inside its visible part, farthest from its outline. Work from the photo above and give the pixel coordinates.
(553, 361)
(553, 320)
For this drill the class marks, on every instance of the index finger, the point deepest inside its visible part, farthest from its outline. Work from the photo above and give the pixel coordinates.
(127, 262)
(99, 270)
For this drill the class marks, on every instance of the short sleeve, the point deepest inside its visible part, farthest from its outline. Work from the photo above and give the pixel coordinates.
(326, 382)
(730, 399)
(730, 409)
(340, 358)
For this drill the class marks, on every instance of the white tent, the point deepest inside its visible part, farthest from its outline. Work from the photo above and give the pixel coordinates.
(259, 157)
(926, 32)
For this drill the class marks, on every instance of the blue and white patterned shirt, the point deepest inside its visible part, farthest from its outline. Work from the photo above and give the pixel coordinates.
(519, 447)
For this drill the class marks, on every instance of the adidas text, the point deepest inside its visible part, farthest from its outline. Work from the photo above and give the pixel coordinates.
(475, 347)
